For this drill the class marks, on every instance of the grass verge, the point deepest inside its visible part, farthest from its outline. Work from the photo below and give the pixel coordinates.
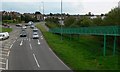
(84, 54)
(5, 29)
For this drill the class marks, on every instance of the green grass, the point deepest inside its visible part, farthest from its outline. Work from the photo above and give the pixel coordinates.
(5, 29)
(84, 53)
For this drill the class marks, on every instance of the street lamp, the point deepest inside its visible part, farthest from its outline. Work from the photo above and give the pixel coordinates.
(61, 22)
(43, 9)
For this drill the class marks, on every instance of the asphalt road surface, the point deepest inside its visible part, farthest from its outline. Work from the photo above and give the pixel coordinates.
(33, 54)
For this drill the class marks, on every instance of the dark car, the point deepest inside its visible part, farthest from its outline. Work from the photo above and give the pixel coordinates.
(23, 33)
(19, 25)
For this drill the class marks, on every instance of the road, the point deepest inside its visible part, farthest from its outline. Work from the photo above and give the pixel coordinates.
(33, 54)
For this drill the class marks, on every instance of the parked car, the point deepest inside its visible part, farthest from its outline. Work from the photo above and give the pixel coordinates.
(19, 25)
(4, 35)
(35, 35)
(6, 25)
(23, 33)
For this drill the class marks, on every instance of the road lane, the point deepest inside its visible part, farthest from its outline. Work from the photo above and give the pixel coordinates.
(33, 54)
(21, 57)
(45, 56)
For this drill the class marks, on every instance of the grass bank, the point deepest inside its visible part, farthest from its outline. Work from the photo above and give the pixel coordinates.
(83, 54)
(5, 29)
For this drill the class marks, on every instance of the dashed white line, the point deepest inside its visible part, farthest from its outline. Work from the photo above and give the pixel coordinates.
(36, 61)
(38, 42)
(29, 39)
(21, 42)
(30, 47)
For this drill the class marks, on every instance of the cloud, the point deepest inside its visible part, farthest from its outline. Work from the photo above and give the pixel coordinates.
(60, 0)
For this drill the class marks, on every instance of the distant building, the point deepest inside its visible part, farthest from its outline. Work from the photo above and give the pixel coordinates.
(119, 4)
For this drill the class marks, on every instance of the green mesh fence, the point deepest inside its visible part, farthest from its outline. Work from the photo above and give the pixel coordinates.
(98, 30)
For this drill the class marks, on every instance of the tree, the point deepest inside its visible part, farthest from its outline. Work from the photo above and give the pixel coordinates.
(85, 22)
(69, 21)
(97, 21)
(37, 12)
(113, 17)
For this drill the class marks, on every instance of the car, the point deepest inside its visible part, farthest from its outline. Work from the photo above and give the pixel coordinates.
(23, 33)
(30, 23)
(6, 25)
(32, 26)
(35, 30)
(19, 25)
(35, 35)
(4, 35)
(24, 27)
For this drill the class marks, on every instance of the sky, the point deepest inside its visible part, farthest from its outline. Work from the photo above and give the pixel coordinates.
(53, 6)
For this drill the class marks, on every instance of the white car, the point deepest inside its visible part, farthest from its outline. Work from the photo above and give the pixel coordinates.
(4, 35)
(35, 35)
(24, 27)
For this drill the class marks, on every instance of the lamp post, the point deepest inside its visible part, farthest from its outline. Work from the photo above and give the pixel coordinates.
(43, 9)
(61, 20)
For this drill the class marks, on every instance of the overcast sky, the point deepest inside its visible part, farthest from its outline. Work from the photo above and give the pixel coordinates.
(53, 6)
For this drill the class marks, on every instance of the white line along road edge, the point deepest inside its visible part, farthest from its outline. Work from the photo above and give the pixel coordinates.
(36, 61)
(59, 58)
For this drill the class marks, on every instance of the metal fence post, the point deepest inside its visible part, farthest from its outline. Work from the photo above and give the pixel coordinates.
(114, 46)
(104, 49)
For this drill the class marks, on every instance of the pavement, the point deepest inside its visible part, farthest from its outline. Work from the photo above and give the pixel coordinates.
(26, 53)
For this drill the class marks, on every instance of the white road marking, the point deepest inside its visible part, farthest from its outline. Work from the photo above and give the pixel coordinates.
(21, 42)
(5, 49)
(2, 63)
(14, 41)
(3, 58)
(41, 38)
(29, 39)
(30, 47)
(16, 37)
(36, 61)
(59, 58)
(3, 55)
(38, 42)
(7, 64)
(2, 68)
(11, 46)
(3, 52)
(8, 53)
